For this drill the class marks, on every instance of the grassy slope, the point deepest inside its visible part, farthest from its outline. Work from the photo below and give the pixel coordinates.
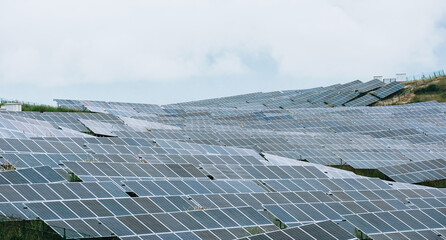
(45, 108)
(433, 89)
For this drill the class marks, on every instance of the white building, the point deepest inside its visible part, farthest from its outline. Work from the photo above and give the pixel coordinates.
(16, 107)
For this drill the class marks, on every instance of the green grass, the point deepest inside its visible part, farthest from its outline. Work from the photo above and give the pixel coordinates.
(254, 230)
(360, 235)
(375, 173)
(26, 230)
(431, 92)
(430, 89)
(46, 108)
(434, 183)
(279, 223)
(73, 178)
(17, 229)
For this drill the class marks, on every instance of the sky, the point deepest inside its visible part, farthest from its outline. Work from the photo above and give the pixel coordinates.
(167, 51)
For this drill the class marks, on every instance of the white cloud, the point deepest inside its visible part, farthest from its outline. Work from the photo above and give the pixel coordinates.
(71, 42)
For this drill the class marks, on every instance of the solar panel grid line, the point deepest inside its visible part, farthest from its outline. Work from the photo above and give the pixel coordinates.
(272, 198)
(156, 170)
(388, 89)
(317, 232)
(63, 228)
(310, 231)
(126, 220)
(403, 217)
(8, 210)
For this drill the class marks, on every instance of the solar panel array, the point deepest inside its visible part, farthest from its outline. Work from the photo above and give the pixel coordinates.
(370, 85)
(418, 171)
(322, 97)
(44, 174)
(365, 100)
(253, 166)
(320, 230)
(389, 89)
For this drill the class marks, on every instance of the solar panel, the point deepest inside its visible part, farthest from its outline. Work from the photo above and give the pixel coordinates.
(321, 230)
(388, 89)
(418, 171)
(365, 100)
(370, 85)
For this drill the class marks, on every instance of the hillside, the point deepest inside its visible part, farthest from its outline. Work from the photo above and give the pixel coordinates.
(433, 89)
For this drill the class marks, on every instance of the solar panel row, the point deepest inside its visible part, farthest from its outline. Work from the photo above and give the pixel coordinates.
(228, 168)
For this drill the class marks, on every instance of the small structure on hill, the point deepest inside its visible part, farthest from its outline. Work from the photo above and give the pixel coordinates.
(13, 106)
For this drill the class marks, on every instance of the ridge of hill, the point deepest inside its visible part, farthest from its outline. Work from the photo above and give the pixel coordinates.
(433, 89)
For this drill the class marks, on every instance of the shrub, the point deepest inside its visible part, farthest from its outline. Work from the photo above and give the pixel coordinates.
(45, 108)
(433, 88)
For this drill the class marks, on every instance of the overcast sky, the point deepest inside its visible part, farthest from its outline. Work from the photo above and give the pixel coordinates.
(170, 51)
